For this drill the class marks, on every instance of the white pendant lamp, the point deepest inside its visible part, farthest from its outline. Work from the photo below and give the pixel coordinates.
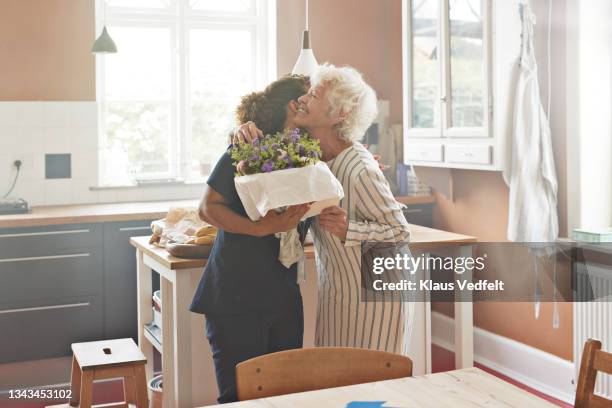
(104, 44)
(306, 63)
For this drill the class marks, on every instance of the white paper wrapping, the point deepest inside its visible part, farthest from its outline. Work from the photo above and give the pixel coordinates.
(262, 192)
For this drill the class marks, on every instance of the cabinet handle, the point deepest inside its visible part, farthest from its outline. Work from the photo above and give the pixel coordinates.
(40, 258)
(443, 99)
(33, 309)
(135, 228)
(467, 154)
(36, 234)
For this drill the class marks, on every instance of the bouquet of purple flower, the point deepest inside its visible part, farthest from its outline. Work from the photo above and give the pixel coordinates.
(283, 150)
(283, 169)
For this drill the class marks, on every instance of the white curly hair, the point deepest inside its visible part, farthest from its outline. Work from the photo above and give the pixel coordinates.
(349, 94)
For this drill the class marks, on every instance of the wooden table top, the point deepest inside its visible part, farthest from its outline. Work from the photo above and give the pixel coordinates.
(162, 256)
(469, 387)
(421, 237)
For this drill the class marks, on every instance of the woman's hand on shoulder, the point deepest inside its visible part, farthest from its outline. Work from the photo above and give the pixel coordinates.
(246, 133)
(274, 222)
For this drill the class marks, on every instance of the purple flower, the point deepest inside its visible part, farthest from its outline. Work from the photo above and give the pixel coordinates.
(264, 148)
(295, 135)
(301, 149)
(267, 166)
(256, 142)
(254, 157)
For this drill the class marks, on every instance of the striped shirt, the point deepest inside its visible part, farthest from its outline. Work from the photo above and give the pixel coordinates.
(374, 215)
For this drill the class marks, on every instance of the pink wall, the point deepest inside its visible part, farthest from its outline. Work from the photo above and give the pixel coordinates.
(45, 50)
(365, 34)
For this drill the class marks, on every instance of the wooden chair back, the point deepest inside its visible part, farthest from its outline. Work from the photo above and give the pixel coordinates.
(593, 360)
(316, 368)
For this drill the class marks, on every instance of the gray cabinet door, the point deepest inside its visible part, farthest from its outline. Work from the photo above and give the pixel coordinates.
(47, 328)
(50, 290)
(419, 214)
(120, 313)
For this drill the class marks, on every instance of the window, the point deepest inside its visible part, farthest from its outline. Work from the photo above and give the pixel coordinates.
(167, 98)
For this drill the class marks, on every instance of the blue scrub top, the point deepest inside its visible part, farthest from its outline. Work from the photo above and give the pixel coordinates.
(243, 273)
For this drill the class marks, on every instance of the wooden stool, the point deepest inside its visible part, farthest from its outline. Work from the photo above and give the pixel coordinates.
(98, 360)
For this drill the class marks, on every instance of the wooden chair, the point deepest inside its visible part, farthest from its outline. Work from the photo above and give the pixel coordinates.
(593, 360)
(316, 368)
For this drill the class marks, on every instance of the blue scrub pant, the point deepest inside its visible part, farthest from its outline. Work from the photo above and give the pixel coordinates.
(236, 338)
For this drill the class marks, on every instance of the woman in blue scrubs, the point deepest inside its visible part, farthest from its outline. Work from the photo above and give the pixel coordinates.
(252, 303)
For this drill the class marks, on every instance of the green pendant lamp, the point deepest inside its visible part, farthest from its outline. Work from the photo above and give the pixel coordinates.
(104, 44)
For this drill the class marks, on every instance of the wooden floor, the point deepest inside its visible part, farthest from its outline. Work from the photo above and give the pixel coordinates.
(111, 391)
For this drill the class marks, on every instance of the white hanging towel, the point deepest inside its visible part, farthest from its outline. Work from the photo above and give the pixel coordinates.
(531, 176)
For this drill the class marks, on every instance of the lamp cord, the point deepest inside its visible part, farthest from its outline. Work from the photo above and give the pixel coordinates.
(14, 182)
(306, 15)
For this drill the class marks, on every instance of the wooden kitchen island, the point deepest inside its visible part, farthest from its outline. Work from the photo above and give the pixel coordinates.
(187, 366)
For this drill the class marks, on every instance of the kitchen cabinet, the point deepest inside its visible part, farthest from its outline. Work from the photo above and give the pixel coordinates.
(419, 214)
(459, 63)
(120, 278)
(51, 293)
(66, 283)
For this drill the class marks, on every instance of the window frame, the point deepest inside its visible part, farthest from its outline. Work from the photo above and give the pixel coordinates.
(181, 19)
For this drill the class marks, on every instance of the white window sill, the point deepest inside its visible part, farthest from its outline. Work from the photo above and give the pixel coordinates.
(188, 183)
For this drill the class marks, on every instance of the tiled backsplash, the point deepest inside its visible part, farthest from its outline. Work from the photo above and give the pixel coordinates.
(29, 130)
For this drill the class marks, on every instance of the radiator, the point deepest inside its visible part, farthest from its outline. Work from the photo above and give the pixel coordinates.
(594, 319)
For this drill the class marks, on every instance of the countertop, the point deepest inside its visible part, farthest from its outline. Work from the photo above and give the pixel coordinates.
(133, 211)
(86, 213)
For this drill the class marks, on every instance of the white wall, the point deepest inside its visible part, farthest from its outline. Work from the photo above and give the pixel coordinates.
(29, 130)
(589, 124)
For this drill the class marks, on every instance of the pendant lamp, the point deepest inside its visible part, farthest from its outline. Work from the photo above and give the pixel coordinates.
(306, 63)
(104, 44)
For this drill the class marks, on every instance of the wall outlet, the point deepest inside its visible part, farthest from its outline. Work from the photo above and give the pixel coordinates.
(27, 162)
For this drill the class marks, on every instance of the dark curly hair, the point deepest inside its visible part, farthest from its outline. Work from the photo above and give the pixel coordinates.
(268, 108)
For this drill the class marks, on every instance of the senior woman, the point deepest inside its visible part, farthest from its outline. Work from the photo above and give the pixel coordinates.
(337, 110)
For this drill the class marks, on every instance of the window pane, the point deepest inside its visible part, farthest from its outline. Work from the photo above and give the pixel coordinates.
(222, 69)
(137, 137)
(143, 4)
(233, 6)
(138, 91)
(466, 63)
(426, 77)
(142, 67)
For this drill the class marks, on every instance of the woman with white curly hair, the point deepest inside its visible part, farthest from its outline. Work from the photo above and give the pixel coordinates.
(337, 110)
